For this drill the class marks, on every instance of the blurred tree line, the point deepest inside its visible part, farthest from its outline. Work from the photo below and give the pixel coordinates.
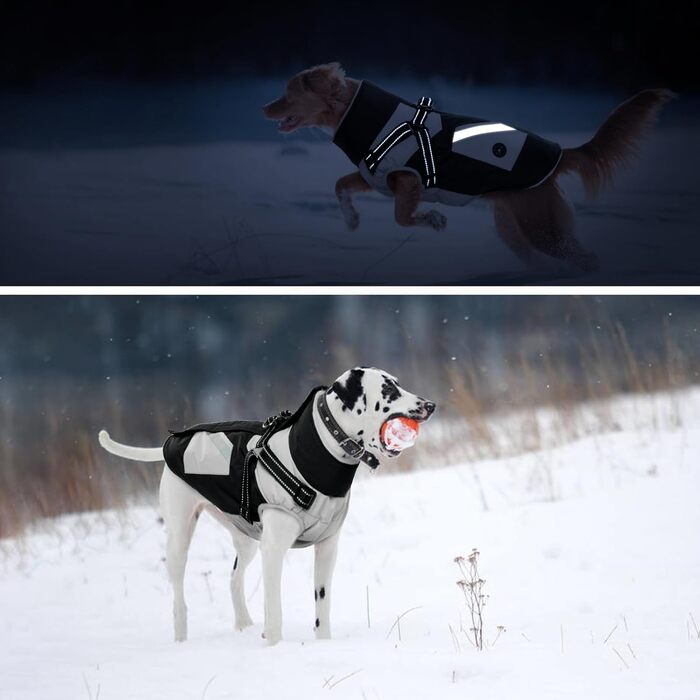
(254, 352)
(71, 365)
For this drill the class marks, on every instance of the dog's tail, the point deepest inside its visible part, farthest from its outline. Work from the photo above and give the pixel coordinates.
(140, 454)
(616, 142)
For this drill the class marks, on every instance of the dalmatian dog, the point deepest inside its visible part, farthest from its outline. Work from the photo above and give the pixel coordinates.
(279, 484)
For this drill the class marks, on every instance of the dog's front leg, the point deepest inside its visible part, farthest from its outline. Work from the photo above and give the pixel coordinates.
(324, 563)
(279, 531)
(344, 190)
(407, 192)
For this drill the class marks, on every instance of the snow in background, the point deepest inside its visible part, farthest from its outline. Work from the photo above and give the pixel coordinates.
(589, 551)
(190, 185)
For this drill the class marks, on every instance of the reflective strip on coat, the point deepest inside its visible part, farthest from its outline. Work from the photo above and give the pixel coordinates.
(472, 156)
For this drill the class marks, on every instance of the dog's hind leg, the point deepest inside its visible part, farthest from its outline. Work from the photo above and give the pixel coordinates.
(245, 551)
(279, 532)
(545, 218)
(324, 562)
(508, 229)
(344, 190)
(180, 507)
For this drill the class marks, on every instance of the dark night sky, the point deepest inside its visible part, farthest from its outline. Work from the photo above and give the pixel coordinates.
(626, 44)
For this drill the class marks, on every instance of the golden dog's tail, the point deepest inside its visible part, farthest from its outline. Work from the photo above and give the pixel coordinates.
(616, 142)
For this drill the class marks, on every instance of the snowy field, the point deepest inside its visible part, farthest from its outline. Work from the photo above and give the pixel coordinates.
(193, 186)
(589, 551)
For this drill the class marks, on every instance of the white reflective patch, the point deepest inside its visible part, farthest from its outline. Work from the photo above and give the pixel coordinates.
(500, 149)
(208, 453)
(469, 131)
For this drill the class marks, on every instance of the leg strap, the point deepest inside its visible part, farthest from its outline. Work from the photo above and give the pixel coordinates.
(419, 131)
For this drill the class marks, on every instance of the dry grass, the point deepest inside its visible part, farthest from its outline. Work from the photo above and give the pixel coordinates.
(472, 587)
(533, 398)
(540, 399)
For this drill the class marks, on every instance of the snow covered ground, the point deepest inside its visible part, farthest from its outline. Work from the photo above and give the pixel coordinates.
(589, 551)
(193, 186)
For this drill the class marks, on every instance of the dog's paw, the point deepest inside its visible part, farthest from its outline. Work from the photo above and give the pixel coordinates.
(242, 622)
(436, 220)
(272, 638)
(582, 260)
(433, 218)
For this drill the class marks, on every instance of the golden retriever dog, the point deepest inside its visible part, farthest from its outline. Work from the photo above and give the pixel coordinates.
(535, 217)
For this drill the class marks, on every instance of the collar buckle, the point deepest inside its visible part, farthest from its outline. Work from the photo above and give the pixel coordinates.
(352, 448)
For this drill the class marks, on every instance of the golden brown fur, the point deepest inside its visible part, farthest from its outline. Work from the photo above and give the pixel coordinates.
(317, 96)
(540, 218)
(616, 142)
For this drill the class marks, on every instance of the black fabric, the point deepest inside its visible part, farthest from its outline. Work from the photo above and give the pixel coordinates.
(465, 175)
(318, 467)
(254, 427)
(224, 491)
(373, 107)
(366, 117)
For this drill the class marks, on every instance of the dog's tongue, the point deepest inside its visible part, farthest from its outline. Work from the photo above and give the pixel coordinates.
(287, 124)
(400, 433)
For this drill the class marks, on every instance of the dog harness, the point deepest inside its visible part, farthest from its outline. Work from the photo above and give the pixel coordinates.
(243, 467)
(456, 157)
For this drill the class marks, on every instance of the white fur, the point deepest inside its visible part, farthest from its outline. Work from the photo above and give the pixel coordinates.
(181, 506)
(140, 454)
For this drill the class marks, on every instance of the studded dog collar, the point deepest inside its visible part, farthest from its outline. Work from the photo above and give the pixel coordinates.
(351, 447)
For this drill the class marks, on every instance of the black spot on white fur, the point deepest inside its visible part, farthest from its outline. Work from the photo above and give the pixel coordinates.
(235, 563)
(318, 624)
(351, 392)
(322, 592)
(390, 390)
(376, 406)
(315, 594)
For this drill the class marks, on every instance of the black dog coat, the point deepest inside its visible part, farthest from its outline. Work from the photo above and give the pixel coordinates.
(456, 157)
(218, 460)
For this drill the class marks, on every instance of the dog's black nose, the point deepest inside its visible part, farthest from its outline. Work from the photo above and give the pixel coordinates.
(429, 407)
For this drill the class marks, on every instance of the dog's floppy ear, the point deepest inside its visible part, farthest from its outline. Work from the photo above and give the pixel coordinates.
(349, 389)
(326, 80)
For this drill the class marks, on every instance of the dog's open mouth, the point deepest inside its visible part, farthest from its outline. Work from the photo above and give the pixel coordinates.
(398, 432)
(289, 124)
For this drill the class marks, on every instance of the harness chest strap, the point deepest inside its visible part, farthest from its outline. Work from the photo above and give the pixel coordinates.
(415, 127)
(303, 495)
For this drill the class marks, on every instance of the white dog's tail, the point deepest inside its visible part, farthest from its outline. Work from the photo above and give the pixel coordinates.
(140, 454)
